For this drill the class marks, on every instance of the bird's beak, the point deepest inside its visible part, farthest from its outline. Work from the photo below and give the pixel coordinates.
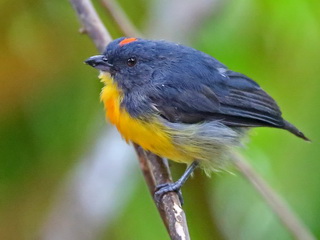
(99, 62)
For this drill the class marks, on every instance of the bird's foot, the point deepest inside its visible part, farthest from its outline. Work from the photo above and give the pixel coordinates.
(162, 189)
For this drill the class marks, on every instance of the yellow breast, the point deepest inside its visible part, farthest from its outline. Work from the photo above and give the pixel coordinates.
(150, 135)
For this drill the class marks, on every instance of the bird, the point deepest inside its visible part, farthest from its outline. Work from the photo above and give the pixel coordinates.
(181, 104)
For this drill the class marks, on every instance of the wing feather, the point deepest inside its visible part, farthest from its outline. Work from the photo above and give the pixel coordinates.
(241, 103)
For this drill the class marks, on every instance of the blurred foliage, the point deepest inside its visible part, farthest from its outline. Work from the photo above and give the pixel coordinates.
(50, 109)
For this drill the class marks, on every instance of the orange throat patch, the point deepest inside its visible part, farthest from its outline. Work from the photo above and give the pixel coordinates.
(151, 135)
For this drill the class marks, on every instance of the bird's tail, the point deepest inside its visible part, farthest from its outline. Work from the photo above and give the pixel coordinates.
(288, 126)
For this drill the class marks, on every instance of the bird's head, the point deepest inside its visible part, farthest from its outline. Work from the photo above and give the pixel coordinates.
(135, 62)
(130, 61)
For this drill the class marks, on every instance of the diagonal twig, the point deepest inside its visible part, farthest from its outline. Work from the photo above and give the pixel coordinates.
(92, 25)
(156, 171)
(118, 15)
(153, 167)
(288, 218)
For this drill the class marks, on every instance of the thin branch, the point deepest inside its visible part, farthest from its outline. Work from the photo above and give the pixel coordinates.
(153, 167)
(119, 16)
(288, 218)
(156, 171)
(92, 25)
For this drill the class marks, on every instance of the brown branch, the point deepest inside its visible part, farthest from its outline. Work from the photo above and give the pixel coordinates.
(153, 167)
(288, 218)
(156, 171)
(118, 15)
(92, 24)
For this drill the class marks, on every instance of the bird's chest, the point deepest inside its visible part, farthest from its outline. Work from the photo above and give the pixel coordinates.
(150, 134)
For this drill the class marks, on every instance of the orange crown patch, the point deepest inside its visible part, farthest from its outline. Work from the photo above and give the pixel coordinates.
(127, 40)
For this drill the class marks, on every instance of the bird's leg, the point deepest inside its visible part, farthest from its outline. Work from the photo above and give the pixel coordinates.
(162, 189)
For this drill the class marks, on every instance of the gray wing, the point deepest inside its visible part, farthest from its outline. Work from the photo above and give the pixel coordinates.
(231, 98)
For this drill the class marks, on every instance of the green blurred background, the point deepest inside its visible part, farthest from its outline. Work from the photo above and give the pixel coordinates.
(50, 114)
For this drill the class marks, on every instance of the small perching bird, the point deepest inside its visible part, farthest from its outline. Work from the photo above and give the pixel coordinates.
(180, 103)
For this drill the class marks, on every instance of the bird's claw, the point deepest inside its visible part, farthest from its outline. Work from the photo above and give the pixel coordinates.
(164, 188)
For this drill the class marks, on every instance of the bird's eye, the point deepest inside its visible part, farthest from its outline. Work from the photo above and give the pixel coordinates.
(131, 61)
(105, 59)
